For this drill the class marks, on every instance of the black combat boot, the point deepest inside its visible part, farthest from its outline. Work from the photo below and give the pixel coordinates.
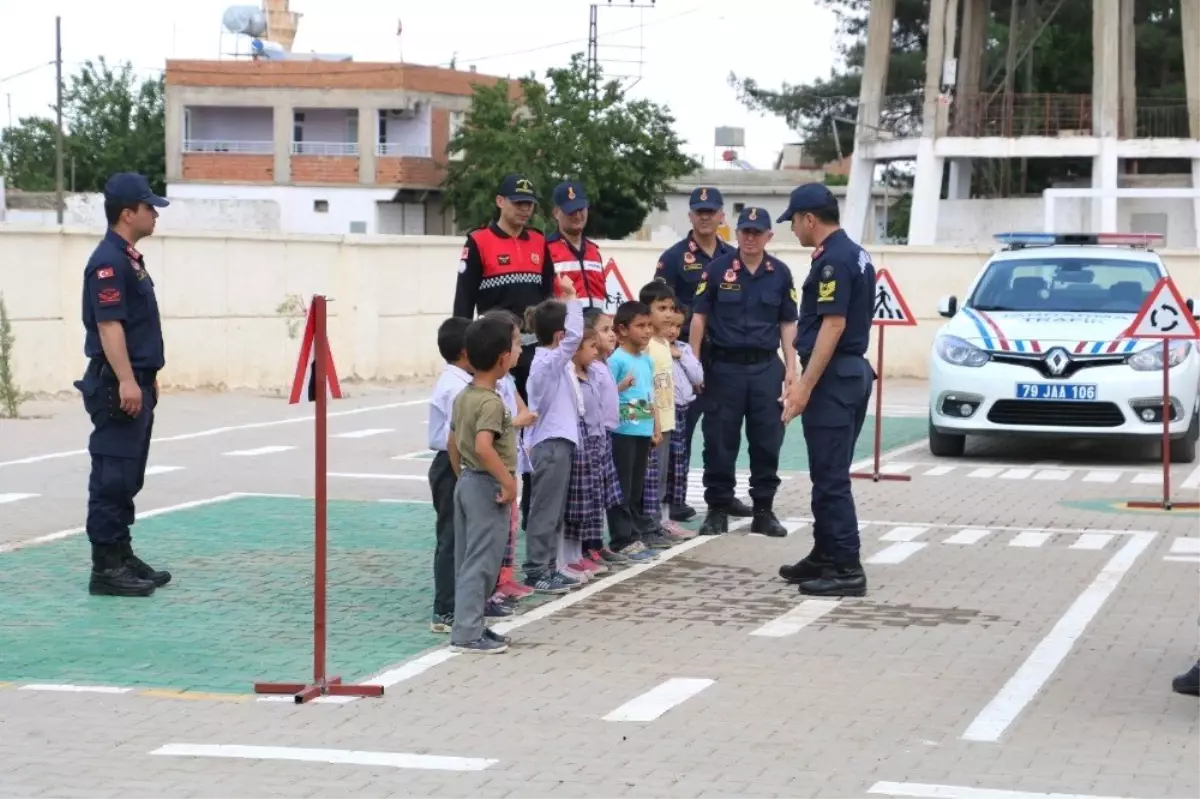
(807, 568)
(111, 577)
(140, 568)
(767, 523)
(838, 578)
(682, 513)
(1188, 682)
(740, 509)
(716, 522)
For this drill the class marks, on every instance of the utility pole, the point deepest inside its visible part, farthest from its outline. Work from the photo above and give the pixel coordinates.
(593, 51)
(58, 143)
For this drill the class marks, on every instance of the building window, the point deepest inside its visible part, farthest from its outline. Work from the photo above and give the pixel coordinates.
(321, 206)
(358, 227)
(297, 126)
(352, 126)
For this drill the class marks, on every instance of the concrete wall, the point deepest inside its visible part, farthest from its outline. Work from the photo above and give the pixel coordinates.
(219, 295)
(252, 214)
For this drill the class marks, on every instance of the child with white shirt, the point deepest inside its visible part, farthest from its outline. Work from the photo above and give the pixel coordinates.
(689, 379)
(552, 438)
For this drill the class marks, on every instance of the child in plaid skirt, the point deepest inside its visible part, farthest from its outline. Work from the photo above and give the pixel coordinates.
(689, 379)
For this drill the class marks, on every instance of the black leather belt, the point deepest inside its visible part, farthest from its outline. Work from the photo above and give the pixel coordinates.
(740, 355)
(98, 367)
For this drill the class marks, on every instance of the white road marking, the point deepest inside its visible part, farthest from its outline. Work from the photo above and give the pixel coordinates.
(896, 468)
(215, 431)
(1102, 476)
(928, 791)
(1046, 657)
(367, 476)
(75, 689)
(1192, 481)
(1001, 528)
(1183, 558)
(968, 536)
(985, 471)
(797, 618)
(1148, 478)
(374, 431)
(897, 553)
(335, 756)
(6, 498)
(249, 453)
(891, 453)
(1185, 545)
(659, 700)
(45, 539)
(1029, 539)
(903, 534)
(153, 470)
(1092, 541)
(938, 471)
(1053, 474)
(1016, 474)
(408, 456)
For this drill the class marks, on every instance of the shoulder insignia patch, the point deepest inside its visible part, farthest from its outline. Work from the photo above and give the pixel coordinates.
(825, 291)
(108, 297)
(104, 273)
(793, 295)
(700, 287)
(827, 272)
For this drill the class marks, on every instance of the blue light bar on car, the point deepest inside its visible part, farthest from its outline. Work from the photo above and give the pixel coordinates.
(1033, 239)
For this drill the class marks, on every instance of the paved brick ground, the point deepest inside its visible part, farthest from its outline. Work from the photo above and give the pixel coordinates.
(881, 689)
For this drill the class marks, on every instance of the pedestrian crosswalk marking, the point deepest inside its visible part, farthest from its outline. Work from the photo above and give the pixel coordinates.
(1014, 472)
(968, 536)
(903, 534)
(900, 540)
(897, 553)
(1185, 549)
(1052, 474)
(1092, 541)
(1029, 539)
(985, 471)
(6, 498)
(1102, 476)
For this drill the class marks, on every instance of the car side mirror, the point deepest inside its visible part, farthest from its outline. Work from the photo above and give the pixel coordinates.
(948, 306)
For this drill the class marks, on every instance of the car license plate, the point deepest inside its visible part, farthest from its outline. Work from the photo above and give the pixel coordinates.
(1057, 391)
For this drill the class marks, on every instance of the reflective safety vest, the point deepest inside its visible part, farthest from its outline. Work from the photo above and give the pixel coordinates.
(586, 272)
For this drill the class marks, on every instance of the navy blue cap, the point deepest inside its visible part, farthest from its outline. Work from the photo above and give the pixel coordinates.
(754, 218)
(518, 189)
(130, 187)
(807, 198)
(569, 197)
(706, 198)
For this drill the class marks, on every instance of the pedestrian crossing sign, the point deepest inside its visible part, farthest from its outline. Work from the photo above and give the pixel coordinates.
(1164, 315)
(890, 307)
(615, 289)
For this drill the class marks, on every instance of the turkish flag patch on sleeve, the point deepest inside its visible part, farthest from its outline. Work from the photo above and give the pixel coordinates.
(108, 297)
(104, 273)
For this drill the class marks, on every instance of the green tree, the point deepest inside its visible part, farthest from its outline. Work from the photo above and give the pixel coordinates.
(113, 121)
(625, 152)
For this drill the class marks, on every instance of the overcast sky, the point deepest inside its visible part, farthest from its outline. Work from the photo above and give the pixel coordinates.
(687, 48)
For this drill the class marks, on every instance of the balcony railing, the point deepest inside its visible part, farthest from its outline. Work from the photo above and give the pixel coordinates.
(324, 148)
(402, 149)
(226, 146)
(1014, 115)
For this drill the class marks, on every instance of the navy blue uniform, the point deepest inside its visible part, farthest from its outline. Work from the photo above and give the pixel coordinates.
(841, 282)
(117, 288)
(744, 376)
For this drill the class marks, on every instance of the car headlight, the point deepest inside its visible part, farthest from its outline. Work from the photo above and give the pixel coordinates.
(960, 352)
(1151, 358)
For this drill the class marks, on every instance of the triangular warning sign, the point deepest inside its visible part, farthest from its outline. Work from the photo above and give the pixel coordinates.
(890, 307)
(615, 288)
(1164, 315)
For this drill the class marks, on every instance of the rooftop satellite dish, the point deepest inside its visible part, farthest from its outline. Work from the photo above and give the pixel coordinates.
(249, 20)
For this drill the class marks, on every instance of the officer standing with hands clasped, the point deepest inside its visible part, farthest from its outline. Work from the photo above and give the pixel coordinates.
(746, 304)
(834, 389)
(124, 345)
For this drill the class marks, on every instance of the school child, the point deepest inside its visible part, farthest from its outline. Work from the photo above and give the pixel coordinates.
(508, 588)
(483, 453)
(553, 436)
(660, 298)
(637, 430)
(455, 376)
(689, 379)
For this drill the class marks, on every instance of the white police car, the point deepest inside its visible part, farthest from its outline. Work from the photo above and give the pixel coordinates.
(1037, 348)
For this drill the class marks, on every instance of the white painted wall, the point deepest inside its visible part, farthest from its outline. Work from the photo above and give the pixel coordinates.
(296, 209)
(87, 210)
(216, 123)
(408, 133)
(327, 125)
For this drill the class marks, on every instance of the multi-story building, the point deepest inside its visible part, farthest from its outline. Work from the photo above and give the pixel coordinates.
(340, 146)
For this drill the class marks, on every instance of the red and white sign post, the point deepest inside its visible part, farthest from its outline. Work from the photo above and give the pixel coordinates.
(1165, 317)
(316, 347)
(890, 310)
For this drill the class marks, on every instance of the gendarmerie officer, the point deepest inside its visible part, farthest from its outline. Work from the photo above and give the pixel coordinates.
(124, 346)
(833, 391)
(746, 307)
(680, 267)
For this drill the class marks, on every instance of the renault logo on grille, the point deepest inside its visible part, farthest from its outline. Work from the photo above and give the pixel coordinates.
(1057, 360)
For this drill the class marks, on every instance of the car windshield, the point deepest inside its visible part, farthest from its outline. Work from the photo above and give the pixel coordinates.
(1065, 284)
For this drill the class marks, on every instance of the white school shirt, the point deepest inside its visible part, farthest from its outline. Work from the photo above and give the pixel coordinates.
(449, 385)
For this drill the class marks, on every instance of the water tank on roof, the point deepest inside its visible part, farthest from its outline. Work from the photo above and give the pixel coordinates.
(249, 20)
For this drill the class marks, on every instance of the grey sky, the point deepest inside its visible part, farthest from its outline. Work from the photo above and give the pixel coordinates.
(690, 46)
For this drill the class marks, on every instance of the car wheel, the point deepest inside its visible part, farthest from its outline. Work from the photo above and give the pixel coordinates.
(948, 445)
(1183, 450)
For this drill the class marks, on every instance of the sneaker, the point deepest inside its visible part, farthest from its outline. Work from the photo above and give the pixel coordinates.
(579, 576)
(657, 541)
(586, 564)
(610, 557)
(496, 610)
(495, 636)
(546, 584)
(483, 645)
(564, 580)
(676, 531)
(595, 562)
(441, 622)
(513, 590)
(637, 552)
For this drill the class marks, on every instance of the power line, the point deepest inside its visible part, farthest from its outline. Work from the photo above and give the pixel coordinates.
(24, 72)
